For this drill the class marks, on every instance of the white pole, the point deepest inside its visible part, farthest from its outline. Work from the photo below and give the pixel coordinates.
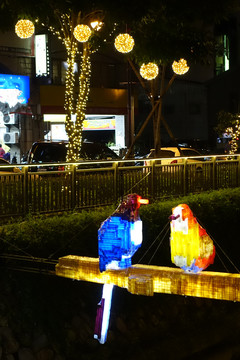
(103, 314)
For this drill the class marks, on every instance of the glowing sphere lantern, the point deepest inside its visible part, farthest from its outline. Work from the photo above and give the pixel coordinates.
(124, 43)
(24, 29)
(149, 71)
(180, 67)
(82, 32)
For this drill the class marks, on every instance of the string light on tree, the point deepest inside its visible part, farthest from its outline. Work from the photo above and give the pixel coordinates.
(149, 71)
(96, 25)
(24, 29)
(74, 131)
(82, 32)
(234, 133)
(124, 43)
(74, 107)
(180, 67)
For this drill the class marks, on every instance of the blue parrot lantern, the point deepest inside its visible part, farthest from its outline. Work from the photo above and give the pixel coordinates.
(120, 235)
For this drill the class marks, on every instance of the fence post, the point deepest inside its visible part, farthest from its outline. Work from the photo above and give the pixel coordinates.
(238, 172)
(72, 169)
(115, 181)
(152, 162)
(214, 173)
(25, 190)
(185, 176)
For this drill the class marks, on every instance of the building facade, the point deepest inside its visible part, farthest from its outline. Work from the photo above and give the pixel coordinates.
(117, 105)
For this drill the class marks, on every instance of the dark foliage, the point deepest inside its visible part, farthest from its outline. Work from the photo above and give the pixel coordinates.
(76, 233)
(61, 311)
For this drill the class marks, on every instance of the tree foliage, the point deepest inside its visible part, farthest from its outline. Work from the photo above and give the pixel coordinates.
(225, 120)
(163, 31)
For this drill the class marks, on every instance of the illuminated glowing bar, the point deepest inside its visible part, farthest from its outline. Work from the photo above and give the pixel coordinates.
(103, 314)
(147, 280)
(143, 201)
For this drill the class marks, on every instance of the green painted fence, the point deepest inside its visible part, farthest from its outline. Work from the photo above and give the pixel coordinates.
(92, 184)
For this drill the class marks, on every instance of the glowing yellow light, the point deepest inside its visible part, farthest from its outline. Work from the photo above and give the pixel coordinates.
(144, 201)
(124, 43)
(82, 32)
(180, 67)
(24, 29)
(234, 134)
(147, 280)
(74, 130)
(192, 248)
(96, 25)
(75, 103)
(149, 71)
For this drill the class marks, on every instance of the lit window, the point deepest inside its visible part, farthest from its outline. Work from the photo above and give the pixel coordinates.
(222, 56)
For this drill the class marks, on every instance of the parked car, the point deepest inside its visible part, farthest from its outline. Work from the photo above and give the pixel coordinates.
(56, 151)
(201, 146)
(172, 155)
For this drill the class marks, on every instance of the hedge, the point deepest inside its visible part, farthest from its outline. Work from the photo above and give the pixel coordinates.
(76, 233)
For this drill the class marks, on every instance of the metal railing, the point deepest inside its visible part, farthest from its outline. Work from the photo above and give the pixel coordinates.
(35, 189)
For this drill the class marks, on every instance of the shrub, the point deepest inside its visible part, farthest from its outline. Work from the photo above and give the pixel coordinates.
(76, 233)
(217, 211)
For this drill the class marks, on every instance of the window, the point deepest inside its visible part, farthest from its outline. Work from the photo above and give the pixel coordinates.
(222, 56)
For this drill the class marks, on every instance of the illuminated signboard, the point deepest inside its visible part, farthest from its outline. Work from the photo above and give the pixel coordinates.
(88, 124)
(14, 89)
(99, 124)
(41, 55)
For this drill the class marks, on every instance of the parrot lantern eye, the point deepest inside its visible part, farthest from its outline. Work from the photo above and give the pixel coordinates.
(173, 217)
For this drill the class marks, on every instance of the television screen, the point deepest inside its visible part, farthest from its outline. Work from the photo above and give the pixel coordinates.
(14, 89)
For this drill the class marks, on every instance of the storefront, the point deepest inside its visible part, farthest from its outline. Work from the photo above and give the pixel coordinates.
(105, 118)
(109, 129)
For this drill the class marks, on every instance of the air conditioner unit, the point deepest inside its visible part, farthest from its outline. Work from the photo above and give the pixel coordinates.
(11, 138)
(10, 119)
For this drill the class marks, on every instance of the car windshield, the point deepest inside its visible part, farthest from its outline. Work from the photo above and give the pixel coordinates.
(163, 154)
(189, 152)
(50, 152)
(95, 151)
(46, 153)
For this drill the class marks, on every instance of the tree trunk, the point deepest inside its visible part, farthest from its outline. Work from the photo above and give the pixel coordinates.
(74, 129)
(156, 112)
(157, 137)
(69, 90)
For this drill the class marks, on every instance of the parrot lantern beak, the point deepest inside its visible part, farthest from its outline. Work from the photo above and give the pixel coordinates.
(143, 201)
